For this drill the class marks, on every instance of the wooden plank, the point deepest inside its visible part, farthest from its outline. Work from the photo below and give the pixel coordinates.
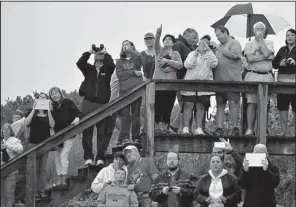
(30, 179)
(150, 114)
(71, 131)
(205, 143)
(262, 102)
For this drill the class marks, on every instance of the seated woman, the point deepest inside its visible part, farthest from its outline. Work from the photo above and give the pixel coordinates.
(167, 62)
(285, 61)
(128, 70)
(40, 123)
(65, 113)
(199, 64)
(218, 188)
(10, 148)
(106, 175)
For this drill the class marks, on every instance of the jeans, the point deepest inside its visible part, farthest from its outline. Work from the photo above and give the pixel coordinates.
(102, 138)
(61, 157)
(144, 201)
(41, 172)
(8, 184)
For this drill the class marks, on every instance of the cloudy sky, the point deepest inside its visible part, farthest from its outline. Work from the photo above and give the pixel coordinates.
(41, 41)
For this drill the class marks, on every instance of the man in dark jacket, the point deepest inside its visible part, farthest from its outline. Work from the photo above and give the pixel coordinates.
(96, 91)
(174, 188)
(259, 183)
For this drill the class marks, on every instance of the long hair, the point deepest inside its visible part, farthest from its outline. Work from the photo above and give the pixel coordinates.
(122, 53)
(12, 134)
(292, 31)
(57, 89)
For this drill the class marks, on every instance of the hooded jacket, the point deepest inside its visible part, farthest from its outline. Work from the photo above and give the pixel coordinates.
(231, 191)
(117, 196)
(96, 86)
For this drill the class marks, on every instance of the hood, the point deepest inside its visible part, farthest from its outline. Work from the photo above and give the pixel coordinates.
(219, 176)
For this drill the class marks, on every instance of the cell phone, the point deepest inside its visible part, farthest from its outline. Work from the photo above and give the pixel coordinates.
(166, 57)
(219, 145)
(255, 159)
(42, 104)
(164, 66)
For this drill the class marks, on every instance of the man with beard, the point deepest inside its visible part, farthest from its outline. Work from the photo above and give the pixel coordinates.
(174, 188)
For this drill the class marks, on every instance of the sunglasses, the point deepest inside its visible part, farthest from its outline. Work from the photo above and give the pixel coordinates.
(149, 38)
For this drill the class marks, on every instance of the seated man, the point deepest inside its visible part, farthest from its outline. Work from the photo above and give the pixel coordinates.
(141, 173)
(106, 175)
(175, 186)
(117, 194)
(259, 183)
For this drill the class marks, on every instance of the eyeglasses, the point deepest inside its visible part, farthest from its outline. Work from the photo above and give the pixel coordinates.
(148, 38)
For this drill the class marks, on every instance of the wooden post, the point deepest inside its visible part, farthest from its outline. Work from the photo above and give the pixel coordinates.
(150, 113)
(262, 96)
(31, 179)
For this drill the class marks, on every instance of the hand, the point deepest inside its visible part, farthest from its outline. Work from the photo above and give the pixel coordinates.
(106, 184)
(138, 73)
(283, 62)
(163, 61)
(246, 165)
(159, 29)
(3, 146)
(75, 121)
(165, 190)
(50, 106)
(291, 61)
(223, 199)
(176, 189)
(228, 148)
(259, 35)
(209, 200)
(34, 104)
(131, 187)
(265, 164)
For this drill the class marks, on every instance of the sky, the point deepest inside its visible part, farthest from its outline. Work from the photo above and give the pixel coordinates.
(42, 41)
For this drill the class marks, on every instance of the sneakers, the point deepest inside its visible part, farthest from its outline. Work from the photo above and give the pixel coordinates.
(235, 131)
(173, 129)
(218, 132)
(88, 162)
(249, 132)
(199, 131)
(185, 130)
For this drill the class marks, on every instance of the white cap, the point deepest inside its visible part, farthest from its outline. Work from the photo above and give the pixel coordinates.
(130, 147)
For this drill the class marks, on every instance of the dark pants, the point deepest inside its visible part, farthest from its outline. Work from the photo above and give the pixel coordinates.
(102, 138)
(164, 103)
(134, 108)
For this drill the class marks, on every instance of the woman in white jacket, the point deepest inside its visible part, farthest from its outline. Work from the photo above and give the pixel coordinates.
(106, 175)
(10, 148)
(199, 64)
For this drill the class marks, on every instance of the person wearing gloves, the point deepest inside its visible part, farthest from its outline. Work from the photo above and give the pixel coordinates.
(106, 175)
(167, 63)
(128, 70)
(259, 183)
(96, 93)
(217, 188)
(117, 194)
(199, 64)
(10, 148)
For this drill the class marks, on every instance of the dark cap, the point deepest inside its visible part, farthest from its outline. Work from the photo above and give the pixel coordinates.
(149, 35)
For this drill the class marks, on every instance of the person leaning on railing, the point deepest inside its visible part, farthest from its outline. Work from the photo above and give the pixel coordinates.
(259, 53)
(65, 113)
(167, 63)
(128, 70)
(285, 61)
(40, 122)
(10, 148)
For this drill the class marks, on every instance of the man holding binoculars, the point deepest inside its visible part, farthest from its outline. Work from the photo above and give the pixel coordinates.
(96, 91)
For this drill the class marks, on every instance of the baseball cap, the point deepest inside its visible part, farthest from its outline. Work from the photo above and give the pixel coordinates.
(130, 147)
(149, 34)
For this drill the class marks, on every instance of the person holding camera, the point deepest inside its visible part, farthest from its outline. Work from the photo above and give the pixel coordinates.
(167, 63)
(128, 70)
(10, 148)
(174, 187)
(41, 123)
(285, 62)
(96, 91)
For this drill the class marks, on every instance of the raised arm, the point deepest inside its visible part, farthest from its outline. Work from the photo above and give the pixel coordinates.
(82, 63)
(157, 46)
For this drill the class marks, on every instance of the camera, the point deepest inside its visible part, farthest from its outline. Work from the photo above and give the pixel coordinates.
(170, 189)
(288, 61)
(97, 49)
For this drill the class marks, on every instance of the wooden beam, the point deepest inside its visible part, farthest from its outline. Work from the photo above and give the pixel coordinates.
(30, 179)
(205, 143)
(222, 86)
(262, 102)
(72, 131)
(150, 115)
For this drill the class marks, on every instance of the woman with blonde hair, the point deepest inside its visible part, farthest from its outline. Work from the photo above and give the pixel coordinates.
(65, 113)
(10, 148)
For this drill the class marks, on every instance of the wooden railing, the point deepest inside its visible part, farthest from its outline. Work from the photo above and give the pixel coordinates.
(148, 88)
